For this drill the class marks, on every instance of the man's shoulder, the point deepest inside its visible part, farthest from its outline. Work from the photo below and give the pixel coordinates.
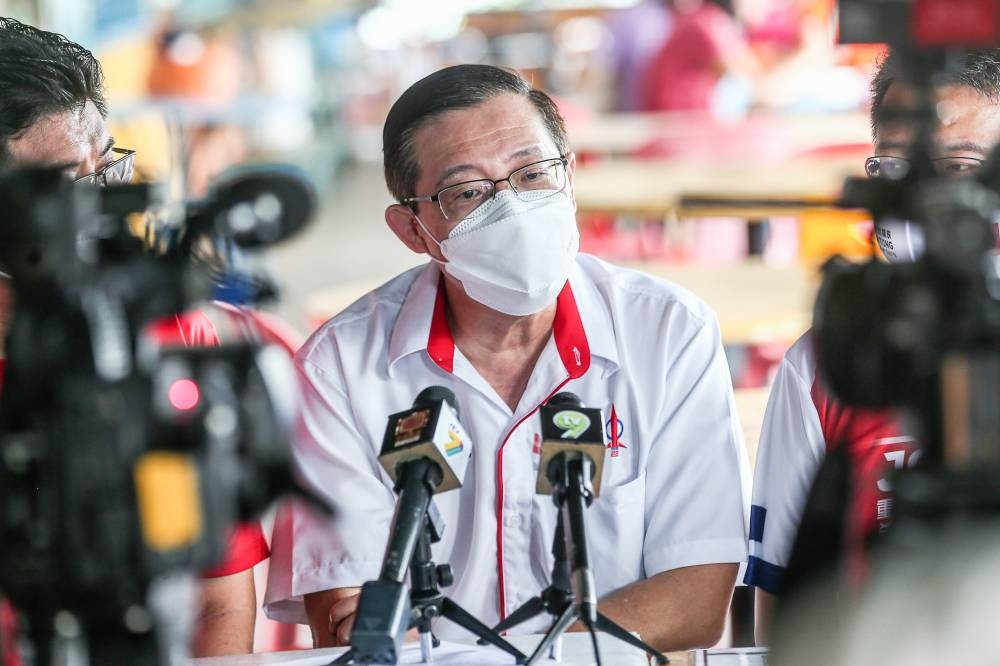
(801, 357)
(369, 316)
(630, 288)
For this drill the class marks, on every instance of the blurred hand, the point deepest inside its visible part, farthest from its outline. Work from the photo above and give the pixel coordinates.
(342, 614)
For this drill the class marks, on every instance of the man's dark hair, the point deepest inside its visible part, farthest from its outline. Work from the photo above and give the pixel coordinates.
(458, 87)
(980, 71)
(42, 73)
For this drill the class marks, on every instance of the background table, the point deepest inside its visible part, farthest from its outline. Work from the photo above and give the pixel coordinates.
(658, 188)
(624, 134)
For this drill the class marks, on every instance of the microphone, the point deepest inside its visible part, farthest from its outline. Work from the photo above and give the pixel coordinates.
(428, 430)
(570, 468)
(256, 205)
(569, 427)
(425, 451)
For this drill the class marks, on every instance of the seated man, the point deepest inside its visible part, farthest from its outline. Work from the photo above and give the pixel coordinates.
(803, 422)
(506, 314)
(54, 115)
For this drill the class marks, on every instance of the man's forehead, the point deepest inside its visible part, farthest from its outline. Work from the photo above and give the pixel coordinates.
(61, 137)
(501, 127)
(964, 115)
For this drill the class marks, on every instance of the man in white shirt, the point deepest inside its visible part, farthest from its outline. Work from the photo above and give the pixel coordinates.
(803, 422)
(506, 314)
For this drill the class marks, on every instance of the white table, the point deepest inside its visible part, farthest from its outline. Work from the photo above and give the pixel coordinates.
(576, 652)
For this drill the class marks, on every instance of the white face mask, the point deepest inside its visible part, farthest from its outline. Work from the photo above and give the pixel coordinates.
(514, 256)
(901, 241)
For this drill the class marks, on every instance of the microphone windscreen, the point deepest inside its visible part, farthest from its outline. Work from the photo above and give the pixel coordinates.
(565, 399)
(432, 394)
(262, 204)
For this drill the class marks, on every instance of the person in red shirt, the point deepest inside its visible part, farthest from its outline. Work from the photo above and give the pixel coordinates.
(54, 115)
(705, 44)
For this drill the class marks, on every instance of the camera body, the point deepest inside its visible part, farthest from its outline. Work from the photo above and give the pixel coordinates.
(124, 462)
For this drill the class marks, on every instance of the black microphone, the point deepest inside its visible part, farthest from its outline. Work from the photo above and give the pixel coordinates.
(570, 468)
(255, 205)
(428, 430)
(425, 451)
(569, 427)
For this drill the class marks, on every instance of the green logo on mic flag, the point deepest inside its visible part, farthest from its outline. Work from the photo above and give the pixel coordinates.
(572, 423)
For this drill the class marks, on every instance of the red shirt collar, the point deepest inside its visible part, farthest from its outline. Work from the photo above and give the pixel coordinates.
(567, 331)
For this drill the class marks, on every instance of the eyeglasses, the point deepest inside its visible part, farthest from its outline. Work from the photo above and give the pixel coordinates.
(116, 172)
(896, 168)
(458, 201)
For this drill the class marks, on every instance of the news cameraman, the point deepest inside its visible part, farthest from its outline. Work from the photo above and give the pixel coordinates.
(52, 113)
(803, 423)
(506, 314)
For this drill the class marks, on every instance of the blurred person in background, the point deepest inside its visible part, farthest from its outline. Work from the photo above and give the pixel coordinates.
(637, 33)
(804, 424)
(52, 113)
(704, 44)
(202, 72)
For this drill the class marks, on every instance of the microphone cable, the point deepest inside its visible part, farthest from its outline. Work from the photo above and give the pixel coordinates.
(593, 641)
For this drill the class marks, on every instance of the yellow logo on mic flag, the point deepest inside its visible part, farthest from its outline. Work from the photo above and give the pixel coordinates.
(454, 444)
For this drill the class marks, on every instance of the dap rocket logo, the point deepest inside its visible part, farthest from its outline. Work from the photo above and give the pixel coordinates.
(614, 428)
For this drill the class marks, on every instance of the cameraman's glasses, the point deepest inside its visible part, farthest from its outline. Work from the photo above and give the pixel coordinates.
(896, 168)
(116, 172)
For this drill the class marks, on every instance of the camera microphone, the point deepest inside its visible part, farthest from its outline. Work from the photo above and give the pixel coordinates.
(256, 206)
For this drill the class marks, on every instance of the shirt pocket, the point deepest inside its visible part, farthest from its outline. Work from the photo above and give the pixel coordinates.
(616, 527)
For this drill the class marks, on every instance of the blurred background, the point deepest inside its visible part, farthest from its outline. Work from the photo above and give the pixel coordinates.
(711, 136)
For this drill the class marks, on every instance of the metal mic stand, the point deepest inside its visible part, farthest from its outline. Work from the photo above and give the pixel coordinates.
(572, 595)
(426, 580)
(427, 602)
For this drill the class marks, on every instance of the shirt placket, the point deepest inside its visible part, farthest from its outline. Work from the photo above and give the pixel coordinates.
(518, 478)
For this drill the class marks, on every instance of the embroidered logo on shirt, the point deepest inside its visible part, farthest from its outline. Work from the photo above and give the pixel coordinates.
(614, 428)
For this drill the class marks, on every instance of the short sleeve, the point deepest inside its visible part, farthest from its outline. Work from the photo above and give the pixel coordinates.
(789, 454)
(309, 552)
(246, 548)
(697, 475)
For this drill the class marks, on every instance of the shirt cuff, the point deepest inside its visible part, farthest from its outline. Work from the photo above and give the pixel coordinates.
(764, 575)
(326, 576)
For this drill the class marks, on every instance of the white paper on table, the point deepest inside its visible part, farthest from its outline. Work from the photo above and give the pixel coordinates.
(756, 656)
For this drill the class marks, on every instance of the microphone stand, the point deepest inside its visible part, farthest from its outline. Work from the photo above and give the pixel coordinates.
(413, 547)
(428, 602)
(572, 595)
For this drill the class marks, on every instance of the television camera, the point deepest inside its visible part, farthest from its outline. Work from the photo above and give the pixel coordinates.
(124, 462)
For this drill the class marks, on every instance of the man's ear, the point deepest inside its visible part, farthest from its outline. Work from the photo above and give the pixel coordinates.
(403, 222)
(570, 172)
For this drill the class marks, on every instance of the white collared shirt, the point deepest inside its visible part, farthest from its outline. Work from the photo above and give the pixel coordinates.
(802, 423)
(675, 488)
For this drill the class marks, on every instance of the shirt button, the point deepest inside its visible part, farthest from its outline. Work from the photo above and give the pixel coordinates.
(512, 520)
